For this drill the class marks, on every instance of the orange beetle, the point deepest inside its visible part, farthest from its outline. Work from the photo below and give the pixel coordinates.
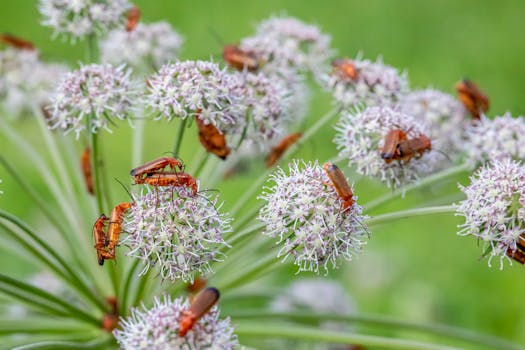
(474, 100)
(212, 139)
(340, 184)
(277, 151)
(202, 303)
(345, 69)
(16, 42)
(240, 59)
(85, 164)
(133, 18)
(155, 166)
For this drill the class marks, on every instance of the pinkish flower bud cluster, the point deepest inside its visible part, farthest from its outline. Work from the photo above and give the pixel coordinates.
(496, 139)
(81, 18)
(268, 110)
(183, 89)
(90, 97)
(158, 328)
(375, 84)
(306, 216)
(26, 82)
(361, 136)
(444, 117)
(494, 209)
(145, 48)
(178, 232)
(286, 43)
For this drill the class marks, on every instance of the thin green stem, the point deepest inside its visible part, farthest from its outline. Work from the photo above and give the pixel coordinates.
(8, 283)
(104, 177)
(57, 158)
(180, 135)
(200, 165)
(250, 192)
(32, 302)
(95, 163)
(303, 333)
(126, 286)
(67, 273)
(91, 49)
(239, 236)
(381, 219)
(41, 325)
(137, 143)
(382, 321)
(141, 288)
(249, 274)
(68, 345)
(420, 184)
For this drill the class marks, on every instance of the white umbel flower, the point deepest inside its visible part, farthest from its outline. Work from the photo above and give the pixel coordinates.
(185, 89)
(95, 92)
(175, 230)
(360, 137)
(288, 43)
(26, 82)
(496, 139)
(306, 216)
(157, 328)
(374, 84)
(494, 209)
(79, 18)
(145, 48)
(267, 99)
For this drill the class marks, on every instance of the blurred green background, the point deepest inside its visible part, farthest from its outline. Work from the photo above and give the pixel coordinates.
(413, 269)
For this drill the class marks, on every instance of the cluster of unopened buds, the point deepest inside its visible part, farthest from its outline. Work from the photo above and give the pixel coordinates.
(386, 131)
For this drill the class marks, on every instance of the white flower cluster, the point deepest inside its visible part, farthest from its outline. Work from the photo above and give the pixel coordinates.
(444, 117)
(94, 92)
(285, 43)
(374, 84)
(306, 216)
(184, 89)
(145, 48)
(178, 232)
(26, 82)
(158, 328)
(80, 18)
(268, 110)
(494, 209)
(360, 137)
(496, 139)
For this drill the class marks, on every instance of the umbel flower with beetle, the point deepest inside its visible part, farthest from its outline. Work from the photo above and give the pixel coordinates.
(157, 199)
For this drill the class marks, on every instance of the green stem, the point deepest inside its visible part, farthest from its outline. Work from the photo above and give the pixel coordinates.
(67, 273)
(379, 320)
(421, 183)
(126, 287)
(200, 165)
(41, 325)
(91, 49)
(248, 194)
(380, 219)
(10, 284)
(137, 143)
(250, 274)
(239, 236)
(180, 135)
(96, 172)
(303, 333)
(68, 345)
(141, 288)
